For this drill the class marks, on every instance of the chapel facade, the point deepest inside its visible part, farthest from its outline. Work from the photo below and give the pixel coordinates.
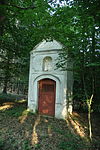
(50, 89)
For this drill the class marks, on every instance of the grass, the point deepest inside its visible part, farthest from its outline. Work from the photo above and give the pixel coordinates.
(14, 112)
(23, 130)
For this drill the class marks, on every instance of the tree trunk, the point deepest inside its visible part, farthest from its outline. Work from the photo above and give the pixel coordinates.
(5, 86)
(89, 102)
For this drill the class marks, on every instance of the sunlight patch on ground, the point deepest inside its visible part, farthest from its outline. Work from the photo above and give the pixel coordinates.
(74, 125)
(24, 116)
(45, 120)
(49, 131)
(26, 134)
(21, 101)
(7, 105)
(34, 133)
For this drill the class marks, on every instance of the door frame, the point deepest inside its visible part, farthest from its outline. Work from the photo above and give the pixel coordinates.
(34, 96)
(54, 92)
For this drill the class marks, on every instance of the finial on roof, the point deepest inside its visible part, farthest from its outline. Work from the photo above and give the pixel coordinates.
(49, 39)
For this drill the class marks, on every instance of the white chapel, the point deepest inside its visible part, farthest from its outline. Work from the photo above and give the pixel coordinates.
(50, 89)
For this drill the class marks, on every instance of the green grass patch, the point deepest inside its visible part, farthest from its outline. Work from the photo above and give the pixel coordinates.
(26, 145)
(70, 145)
(14, 112)
(69, 141)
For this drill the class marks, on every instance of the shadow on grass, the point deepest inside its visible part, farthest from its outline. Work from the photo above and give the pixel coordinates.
(11, 98)
(78, 125)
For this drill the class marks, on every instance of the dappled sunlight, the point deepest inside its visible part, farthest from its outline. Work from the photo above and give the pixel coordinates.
(75, 126)
(49, 131)
(24, 116)
(45, 120)
(34, 133)
(7, 105)
(76, 114)
(27, 134)
(64, 112)
(21, 101)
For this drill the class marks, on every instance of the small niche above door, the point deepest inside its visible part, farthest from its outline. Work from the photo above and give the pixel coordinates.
(47, 63)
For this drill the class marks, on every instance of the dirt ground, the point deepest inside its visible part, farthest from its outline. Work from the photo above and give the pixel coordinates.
(22, 130)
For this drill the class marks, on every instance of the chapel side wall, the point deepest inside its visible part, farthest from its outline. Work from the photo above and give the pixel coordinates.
(61, 111)
(30, 84)
(70, 87)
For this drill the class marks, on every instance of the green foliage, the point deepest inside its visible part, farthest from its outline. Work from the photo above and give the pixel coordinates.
(37, 146)
(78, 30)
(22, 29)
(16, 112)
(97, 108)
(1, 144)
(74, 23)
(26, 145)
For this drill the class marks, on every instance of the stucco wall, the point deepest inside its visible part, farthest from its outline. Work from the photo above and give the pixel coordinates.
(37, 73)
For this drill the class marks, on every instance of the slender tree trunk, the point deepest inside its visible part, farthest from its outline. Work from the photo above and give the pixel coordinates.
(93, 61)
(5, 86)
(6, 76)
(89, 102)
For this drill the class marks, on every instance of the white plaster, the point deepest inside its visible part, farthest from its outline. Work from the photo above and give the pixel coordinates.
(50, 45)
(63, 79)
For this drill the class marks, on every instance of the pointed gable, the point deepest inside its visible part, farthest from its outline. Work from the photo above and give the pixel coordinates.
(48, 45)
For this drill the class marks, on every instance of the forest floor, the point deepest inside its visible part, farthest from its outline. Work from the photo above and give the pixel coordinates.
(23, 130)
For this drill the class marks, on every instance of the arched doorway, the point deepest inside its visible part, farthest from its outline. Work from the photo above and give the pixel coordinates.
(46, 97)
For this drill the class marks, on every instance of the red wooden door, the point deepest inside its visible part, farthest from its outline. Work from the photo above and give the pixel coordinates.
(46, 103)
